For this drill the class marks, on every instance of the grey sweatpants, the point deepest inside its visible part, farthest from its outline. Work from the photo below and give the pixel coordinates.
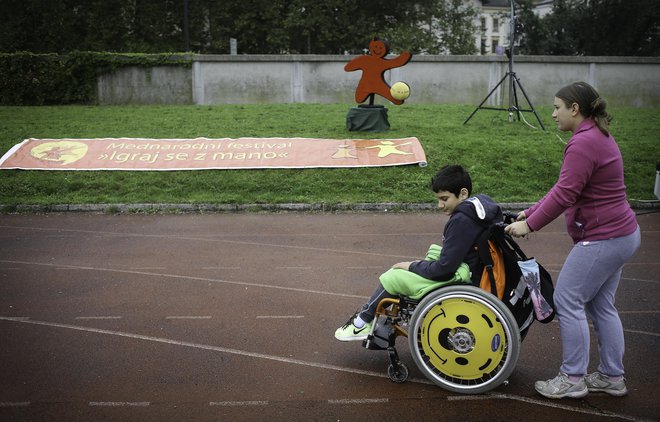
(587, 286)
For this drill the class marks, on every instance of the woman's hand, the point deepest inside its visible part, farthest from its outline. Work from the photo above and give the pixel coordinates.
(521, 216)
(518, 229)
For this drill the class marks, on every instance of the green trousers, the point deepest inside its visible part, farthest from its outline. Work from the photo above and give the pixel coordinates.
(409, 284)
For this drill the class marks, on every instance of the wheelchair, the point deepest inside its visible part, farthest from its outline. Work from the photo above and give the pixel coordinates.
(461, 337)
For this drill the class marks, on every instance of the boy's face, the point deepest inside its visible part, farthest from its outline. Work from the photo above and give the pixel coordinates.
(448, 201)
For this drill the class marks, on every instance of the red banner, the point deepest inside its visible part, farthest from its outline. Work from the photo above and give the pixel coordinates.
(204, 153)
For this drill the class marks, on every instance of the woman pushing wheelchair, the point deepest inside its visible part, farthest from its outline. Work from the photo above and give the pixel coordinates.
(591, 194)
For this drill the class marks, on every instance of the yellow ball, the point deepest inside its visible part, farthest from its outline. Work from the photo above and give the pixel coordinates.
(400, 91)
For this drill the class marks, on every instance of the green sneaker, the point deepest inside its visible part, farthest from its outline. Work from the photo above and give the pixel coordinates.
(599, 383)
(349, 332)
(560, 387)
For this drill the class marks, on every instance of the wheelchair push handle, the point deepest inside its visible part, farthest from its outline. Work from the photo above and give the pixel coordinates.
(509, 217)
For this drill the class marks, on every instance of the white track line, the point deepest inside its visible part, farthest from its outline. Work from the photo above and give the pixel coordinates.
(640, 279)
(639, 312)
(202, 239)
(98, 317)
(14, 403)
(647, 333)
(240, 283)
(296, 362)
(185, 277)
(358, 401)
(469, 398)
(239, 403)
(120, 403)
(558, 267)
(280, 316)
(556, 405)
(188, 317)
(627, 330)
(207, 347)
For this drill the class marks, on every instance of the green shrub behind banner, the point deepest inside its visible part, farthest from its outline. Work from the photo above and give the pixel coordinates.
(49, 79)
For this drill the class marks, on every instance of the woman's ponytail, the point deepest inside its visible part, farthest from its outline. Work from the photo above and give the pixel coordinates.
(600, 115)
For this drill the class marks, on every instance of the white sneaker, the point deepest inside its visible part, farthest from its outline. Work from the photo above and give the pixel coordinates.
(561, 386)
(599, 383)
(349, 332)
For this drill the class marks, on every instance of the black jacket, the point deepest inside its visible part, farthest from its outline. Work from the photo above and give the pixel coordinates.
(460, 236)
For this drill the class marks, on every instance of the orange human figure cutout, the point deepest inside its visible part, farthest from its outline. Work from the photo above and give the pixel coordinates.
(373, 68)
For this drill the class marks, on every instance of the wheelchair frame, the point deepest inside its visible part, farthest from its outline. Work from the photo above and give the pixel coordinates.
(461, 337)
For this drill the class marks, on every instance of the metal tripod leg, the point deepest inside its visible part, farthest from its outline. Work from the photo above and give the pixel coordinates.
(487, 97)
(517, 81)
(513, 100)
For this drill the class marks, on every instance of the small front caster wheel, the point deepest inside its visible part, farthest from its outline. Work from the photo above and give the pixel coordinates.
(398, 373)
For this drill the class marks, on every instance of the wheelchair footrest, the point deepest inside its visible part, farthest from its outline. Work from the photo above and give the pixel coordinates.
(382, 338)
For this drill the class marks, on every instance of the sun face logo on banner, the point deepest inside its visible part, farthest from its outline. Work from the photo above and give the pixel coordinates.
(61, 152)
(203, 153)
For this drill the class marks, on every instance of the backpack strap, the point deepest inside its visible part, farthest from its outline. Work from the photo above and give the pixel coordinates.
(514, 245)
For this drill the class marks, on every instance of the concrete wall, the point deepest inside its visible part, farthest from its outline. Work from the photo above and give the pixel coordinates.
(155, 85)
(226, 79)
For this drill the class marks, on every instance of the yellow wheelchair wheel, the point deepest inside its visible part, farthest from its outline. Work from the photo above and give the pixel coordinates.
(464, 339)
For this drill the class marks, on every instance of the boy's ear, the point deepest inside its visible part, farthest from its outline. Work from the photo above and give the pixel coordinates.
(463, 194)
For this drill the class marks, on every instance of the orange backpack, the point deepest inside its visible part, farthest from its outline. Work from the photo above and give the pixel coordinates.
(493, 278)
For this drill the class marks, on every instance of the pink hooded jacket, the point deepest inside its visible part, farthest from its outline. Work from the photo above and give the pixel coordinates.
(590, 190)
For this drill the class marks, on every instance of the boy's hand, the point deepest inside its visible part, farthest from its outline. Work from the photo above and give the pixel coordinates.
(402, 265)
(518, 229)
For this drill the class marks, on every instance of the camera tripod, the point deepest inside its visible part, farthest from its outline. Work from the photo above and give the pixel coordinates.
(514, 83)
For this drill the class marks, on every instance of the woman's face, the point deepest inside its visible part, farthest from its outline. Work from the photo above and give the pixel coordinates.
(566, 117)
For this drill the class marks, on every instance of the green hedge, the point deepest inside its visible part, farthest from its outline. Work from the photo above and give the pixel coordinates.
(52, 79)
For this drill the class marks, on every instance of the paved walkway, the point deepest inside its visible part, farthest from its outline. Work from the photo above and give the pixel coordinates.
(231, 317)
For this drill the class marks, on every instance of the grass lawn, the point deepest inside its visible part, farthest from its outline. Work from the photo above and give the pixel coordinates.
(510, 161)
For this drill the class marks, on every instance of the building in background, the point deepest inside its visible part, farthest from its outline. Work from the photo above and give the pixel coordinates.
(493, 23)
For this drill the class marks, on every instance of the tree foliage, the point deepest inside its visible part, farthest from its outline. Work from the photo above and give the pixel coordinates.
(455, 22)
(592, 28)
(260, 26)
(575, 27)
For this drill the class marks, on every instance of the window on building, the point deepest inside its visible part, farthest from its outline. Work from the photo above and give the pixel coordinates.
(484, 51)
(494, 44)
(496, 25)
(484, 27)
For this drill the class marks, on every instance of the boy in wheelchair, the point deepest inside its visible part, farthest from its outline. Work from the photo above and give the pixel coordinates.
(456, 261)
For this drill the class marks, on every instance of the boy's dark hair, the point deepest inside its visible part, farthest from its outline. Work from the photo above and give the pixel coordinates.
(452, 178)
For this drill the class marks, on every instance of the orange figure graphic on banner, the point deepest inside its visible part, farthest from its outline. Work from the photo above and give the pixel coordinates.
(343, 151)
(373, 68)
(389, 147)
